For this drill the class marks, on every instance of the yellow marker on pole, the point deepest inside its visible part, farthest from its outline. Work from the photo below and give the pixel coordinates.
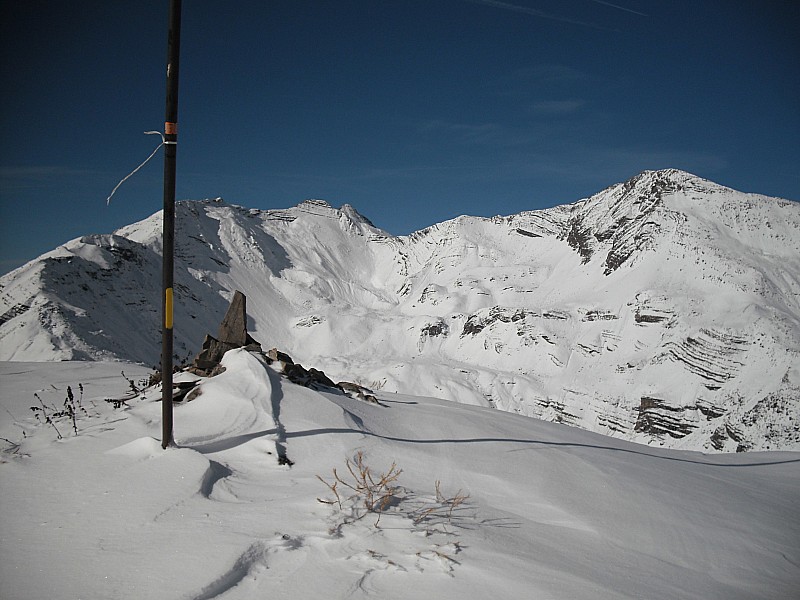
(168, 309)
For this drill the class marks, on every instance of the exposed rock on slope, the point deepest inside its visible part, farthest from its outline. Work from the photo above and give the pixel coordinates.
(665, 309)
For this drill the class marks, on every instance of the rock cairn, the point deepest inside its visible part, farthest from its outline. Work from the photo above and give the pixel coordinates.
(233, 334)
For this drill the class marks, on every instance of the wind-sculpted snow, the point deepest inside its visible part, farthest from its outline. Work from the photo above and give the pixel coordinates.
(543, 511)
(664, 310)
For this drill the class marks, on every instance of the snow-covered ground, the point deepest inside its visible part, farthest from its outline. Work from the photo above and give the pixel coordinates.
(524, 509)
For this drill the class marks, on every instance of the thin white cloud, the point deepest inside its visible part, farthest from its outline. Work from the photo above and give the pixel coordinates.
(557, 107)
(534, 12)
(32, 176)
(38, 172)
(550, 73)
(593, 162)
(462, 131)
(635, 12)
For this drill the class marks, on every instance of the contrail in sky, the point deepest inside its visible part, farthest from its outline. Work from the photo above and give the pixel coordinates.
(536, 13)
(636, 12)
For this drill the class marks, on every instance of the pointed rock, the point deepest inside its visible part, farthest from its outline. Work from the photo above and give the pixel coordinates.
(233, 329)
(232, 334)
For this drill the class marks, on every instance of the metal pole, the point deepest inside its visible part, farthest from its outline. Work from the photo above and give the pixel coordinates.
(168, 238)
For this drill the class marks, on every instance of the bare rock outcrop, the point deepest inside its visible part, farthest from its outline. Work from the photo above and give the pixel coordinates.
(232, 334)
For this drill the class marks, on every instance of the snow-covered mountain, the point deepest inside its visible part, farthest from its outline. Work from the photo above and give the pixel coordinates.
(664, 310)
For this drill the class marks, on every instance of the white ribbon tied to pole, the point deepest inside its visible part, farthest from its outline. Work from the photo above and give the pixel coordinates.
(124, 179)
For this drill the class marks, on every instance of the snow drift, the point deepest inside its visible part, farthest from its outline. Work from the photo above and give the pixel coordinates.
(552, 511)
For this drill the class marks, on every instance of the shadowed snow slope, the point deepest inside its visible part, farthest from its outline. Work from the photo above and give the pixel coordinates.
(552, 511)
(663, 310)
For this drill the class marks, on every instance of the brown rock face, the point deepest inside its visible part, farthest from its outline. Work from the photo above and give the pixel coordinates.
(233, 329)
(232, 334)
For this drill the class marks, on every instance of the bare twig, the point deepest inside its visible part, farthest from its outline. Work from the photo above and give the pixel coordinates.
(43, 409)
(374, 493)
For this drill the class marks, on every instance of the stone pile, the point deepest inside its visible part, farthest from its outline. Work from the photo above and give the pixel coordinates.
(233, 334)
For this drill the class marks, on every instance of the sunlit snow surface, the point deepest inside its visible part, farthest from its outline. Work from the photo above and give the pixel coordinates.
(553, 511)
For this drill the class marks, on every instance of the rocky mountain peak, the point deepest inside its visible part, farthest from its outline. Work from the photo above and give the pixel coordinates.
(311, 202)
(662, 309)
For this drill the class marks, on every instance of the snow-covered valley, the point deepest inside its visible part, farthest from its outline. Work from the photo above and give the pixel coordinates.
(663, 310)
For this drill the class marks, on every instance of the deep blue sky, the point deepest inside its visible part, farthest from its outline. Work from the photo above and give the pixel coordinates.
(413, 111)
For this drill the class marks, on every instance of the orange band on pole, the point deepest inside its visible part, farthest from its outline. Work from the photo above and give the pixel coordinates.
(170, 128)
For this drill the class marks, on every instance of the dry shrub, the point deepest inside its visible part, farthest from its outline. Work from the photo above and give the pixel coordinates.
(365, 493)
(361, 492)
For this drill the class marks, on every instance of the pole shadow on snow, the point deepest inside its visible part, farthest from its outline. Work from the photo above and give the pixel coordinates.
(228, 443)
(280, 431)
